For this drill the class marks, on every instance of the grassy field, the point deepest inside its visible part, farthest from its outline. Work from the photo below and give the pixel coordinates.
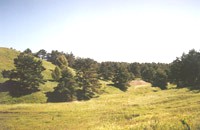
(141, 107)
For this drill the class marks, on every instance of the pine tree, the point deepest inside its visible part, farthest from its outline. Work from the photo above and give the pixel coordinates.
(67, 87)
(87, 78)
(121, 78)
(28, 71)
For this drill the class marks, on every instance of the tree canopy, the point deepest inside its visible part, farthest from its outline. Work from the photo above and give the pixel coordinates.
(27, 71)
(185, 71)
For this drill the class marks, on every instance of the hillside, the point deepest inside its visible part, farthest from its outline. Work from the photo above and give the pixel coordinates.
(7, 96)
(141, 107)
(6, 58)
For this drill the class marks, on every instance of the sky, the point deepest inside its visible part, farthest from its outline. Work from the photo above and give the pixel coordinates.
(104, 30)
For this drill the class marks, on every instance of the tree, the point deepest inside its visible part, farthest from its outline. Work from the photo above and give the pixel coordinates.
(28, 51)
(121, 78)
(41, 54)
(106, 70)
(70, 58)
(135, 68)
(160, 79)
(52, 57)
(28, 71)
(148, 72)
(185, 71)
(175, 72)
(56, 74)
(87, 78)
(67, 87)
(11, 74)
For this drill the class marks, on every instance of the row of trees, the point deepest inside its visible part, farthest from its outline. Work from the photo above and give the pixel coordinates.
(83, 83)
(184, 71)
(155, 73)
(119, 73)
(52, 57)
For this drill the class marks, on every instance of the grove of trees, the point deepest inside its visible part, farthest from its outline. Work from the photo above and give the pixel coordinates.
(185, 71)
(78, 78)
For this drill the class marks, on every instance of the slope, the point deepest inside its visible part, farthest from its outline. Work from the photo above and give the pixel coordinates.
(6, 57)
(141, 107)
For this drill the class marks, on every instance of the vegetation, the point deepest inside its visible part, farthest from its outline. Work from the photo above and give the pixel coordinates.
(7, 60)
(66, 89)
(138, 108)
(121, 78)
(87, 78)
(27, 73)
(185, 71)
(142, 106)
(56, 74)
(11, 94)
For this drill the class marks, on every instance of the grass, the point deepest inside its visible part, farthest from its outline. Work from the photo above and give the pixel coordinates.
(6, 60)
(36, 97)
(6, 57)
(140, 107)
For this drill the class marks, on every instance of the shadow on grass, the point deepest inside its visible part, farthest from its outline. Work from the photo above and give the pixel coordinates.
(55, 97)
(123, 88)
(15, 89)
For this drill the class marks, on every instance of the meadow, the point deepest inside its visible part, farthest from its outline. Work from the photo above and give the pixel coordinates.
(141, 107)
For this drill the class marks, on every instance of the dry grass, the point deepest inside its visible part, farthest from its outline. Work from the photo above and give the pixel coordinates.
(138, 108)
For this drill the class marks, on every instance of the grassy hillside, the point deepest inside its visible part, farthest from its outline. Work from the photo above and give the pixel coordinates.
(6, 60)
(6, 57)
(142, 107)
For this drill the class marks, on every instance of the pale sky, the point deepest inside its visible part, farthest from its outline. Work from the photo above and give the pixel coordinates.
(104, 30)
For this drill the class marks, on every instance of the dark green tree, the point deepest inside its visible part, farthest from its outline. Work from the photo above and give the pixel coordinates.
(106, 70)
(41, 54)
(121, 78)
(160, 79)
(135, 68)
(185, 71)
(67, 87)
(87, 78)
(28, 71)
(11, 74)
(70, 58)
(28, 51)
(147, 72)
(52, 57)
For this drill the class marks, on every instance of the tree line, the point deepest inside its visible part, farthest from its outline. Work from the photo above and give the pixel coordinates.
(83, 83)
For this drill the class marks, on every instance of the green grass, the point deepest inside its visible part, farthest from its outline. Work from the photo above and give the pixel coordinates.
(49, 68)
(140, 107)
(6, 60)
(6, 57)
(36, 97)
